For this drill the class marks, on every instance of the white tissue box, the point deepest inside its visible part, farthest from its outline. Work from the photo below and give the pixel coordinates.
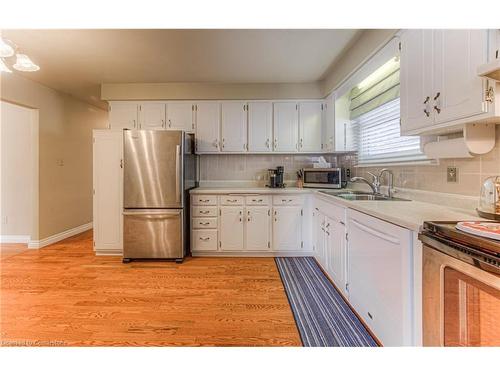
(322, 165)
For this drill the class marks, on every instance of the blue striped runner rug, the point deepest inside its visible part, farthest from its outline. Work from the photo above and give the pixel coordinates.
(322, 316)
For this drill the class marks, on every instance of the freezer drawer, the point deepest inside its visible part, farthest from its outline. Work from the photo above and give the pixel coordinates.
(154, 234)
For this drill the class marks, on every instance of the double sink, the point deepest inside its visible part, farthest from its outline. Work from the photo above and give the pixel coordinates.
(361, 196)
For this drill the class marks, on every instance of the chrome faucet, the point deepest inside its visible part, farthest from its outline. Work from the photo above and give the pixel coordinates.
(375, 184)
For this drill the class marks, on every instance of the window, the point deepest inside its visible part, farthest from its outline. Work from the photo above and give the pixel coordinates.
(379, 140)
(374, 115)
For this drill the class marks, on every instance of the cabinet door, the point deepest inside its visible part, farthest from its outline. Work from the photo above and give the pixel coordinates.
(380, 277)
(416, 80)
(108, 189)
(287, 228)
(310, 115)
(328, 133)
(257, 228)
(335, 252)
(458, 91)
(319, 238)
(231, 228)
(207, 126)
(123, 115)
(234, 126)
(152, 115)
(286, 127)
(260, 126)
(180, 116)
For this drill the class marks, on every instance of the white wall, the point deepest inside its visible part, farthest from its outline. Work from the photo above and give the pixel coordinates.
(65, 152)
(19, 176)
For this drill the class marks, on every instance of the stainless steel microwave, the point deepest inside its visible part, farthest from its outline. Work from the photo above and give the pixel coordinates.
(332, 178)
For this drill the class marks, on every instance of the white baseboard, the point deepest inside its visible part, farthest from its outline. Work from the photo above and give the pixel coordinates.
(252, 254)
(6, 238)
(112, 252)
(38, 244)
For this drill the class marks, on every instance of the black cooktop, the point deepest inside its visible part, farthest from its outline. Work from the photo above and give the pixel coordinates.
(446, 232)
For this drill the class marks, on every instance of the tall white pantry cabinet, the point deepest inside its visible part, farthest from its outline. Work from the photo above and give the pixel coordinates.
(108, 191)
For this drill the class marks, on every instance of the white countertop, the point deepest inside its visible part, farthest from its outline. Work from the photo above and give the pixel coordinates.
(407, 214)
(250, 190)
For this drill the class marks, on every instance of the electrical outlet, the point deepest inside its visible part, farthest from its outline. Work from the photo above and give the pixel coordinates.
(451, 174)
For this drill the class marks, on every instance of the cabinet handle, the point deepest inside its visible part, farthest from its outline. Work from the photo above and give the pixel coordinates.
(427, 113)
(162, 123)
(328, 225)
(256, 200)
(204, 238)
(170, 123)
(301, 143)
(216, 144)
(438, 110)
(267, 143)
(437, 96)
(275, 143)
(204, 212)
(204, 223)
(232, 200)
(427, 100)
(204, 200)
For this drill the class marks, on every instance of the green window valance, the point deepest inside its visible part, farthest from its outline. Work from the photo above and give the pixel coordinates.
(377, 89)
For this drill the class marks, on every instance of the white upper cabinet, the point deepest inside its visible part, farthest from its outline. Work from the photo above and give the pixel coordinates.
(234, 126)
(286, 126)
(152, 115)
(231, 228)
(416, 79)
(310, 116)
(257, 228)
(123, 115)
(328, 133)
(458, 91)
(440, 88)
(287, 228)
(260, 126)
(180, 116)
(207, 126)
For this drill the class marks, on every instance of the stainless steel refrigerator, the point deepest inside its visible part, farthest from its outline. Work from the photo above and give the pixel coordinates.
(159, 167)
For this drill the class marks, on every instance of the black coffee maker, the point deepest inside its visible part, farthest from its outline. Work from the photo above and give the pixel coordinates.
(276, 177)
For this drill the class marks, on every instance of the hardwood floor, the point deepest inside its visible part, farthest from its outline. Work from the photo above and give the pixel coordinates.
(64, 295)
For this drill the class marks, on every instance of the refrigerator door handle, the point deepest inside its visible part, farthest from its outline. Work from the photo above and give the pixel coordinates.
(152, 213)
(178, 172)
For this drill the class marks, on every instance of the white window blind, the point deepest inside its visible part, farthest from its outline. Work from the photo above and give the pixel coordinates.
(379, 140)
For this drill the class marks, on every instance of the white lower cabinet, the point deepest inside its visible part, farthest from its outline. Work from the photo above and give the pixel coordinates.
(257, 228)
(319, 238)
(231, 228)
(287, 228)
(108, 190)
(329, 241)
(336, 253)
(379, 277)
(251, 223)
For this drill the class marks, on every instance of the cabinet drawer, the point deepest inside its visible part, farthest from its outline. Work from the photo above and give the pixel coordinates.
(257, 200)
(231, 200)
(204, 200)
(201, 211)
(204, 223)
(288, 200)
(204, 239)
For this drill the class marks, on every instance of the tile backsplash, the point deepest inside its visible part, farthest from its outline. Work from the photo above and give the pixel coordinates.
(471, 173)
(253, 167)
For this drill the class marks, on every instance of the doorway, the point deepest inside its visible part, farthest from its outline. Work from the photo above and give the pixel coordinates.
(19, 174)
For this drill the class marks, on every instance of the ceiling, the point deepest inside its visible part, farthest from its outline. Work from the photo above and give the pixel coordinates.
(78, 61)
